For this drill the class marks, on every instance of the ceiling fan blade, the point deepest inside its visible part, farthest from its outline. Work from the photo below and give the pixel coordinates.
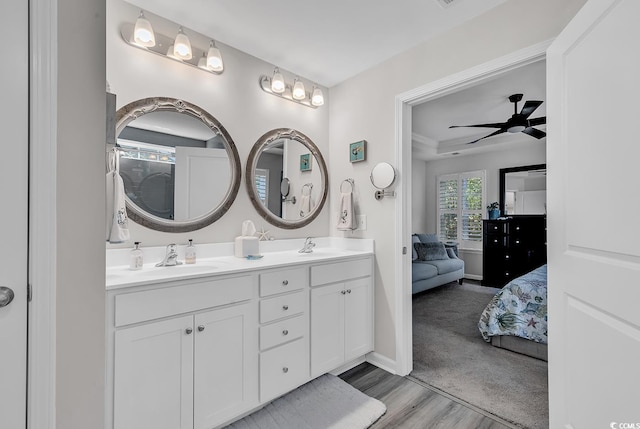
(496, 125)
(537, 121)
(529, 107)
(500, 131)
(534, 132)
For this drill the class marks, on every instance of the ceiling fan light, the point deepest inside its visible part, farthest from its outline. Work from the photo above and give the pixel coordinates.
(298, 92)
(277, 82)
(516, 129)
(143, 34)
(182, 46)
(317, 98)
(214, 58)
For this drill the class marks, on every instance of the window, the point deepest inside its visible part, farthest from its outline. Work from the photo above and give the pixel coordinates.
(262, 184)
(460, 207)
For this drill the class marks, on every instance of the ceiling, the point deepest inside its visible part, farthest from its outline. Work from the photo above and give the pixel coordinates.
(326, 42)
(484, 103)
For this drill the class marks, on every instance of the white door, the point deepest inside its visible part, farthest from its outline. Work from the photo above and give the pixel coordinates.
(14, 74)
(593, 159)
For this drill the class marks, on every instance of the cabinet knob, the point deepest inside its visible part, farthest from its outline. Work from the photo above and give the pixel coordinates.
(343, 292)
(495, 241)
(348, 290)
(200, 328)
(285, 307)
(506, 256)
(285, 370)
(517, 241)
(188, 331)
(285, 332)
(285, 282)
(506, 274)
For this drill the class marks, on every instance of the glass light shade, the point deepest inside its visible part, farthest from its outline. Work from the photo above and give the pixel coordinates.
(143, 32)
(298, 90)
(277, 82)
(202, 62)
(171, 55)
(317, 98)
(214, 58)
(182, 46)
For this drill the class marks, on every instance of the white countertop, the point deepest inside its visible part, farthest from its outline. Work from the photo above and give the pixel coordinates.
(218, 259)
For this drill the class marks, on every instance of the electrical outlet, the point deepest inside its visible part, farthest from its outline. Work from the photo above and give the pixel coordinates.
(362, 222)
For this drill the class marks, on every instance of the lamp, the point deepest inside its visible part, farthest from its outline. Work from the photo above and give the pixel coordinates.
(141, 35)
(298, 92)
(182, 46)
(317, 98)
(277, 82)
(143, 32)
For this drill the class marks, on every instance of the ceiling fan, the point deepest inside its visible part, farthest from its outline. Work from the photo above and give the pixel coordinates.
(518, 122)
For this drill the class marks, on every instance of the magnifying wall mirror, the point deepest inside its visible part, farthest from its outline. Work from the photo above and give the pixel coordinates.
(382, 177)
(180, 168)
(286, 178)
(523, 190)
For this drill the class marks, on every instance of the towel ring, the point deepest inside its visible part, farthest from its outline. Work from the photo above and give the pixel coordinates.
(306, 185)
(349, 181)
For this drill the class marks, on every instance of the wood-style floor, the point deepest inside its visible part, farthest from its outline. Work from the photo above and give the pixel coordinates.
(410, 404)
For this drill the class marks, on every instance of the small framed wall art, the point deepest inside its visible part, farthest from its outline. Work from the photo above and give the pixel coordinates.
(358, 151)
(305, 162)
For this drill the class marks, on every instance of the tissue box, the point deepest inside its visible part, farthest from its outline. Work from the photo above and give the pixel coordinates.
(247, 245)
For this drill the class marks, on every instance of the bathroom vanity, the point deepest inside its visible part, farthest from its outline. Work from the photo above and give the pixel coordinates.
(198, 346)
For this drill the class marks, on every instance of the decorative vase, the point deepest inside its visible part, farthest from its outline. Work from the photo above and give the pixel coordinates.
(494, 214)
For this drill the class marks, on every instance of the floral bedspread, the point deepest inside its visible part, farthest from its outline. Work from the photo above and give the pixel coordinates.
(519, 308)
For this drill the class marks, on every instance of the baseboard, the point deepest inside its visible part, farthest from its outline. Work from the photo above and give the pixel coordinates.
(382, 362)
(472, 277)
(347, 366)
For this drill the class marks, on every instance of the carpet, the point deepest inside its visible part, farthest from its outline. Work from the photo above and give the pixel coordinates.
(450, 354)
(326, 402)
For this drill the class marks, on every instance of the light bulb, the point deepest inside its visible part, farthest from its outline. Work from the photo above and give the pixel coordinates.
(143, 32)
(298, 90)
(214, 58)
(317, 98)
(182, 46)
(277, 82)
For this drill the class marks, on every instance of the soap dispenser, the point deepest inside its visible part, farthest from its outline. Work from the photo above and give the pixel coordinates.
(190, 253)
(137, 258)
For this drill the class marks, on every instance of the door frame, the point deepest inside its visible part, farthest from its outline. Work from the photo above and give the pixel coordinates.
(404, 103)
(43, 60)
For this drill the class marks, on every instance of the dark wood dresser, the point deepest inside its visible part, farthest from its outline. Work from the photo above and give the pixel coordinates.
(512, 247)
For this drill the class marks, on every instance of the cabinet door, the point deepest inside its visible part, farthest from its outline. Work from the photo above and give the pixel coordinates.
(226, 364)
(358, 318)
(153, 381)
(327, 328)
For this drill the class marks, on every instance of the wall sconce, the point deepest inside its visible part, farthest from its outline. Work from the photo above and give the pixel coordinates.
(296, 92)
(179, 48)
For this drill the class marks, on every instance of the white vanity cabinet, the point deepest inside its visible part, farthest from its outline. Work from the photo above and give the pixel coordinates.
(341, 313)
(196, 370)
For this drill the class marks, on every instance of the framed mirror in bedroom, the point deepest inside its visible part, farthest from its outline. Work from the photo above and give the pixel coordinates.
(523, 190)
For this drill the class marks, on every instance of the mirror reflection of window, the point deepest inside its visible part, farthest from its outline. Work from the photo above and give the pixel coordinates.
(525, 192)
(262, 184)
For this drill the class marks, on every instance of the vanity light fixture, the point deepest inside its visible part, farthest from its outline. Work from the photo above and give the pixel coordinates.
(296, 92)
(143, 32)
(179, 48)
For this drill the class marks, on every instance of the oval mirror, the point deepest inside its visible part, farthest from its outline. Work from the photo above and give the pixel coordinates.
(286, 178)
(180, 167)
(383, 175)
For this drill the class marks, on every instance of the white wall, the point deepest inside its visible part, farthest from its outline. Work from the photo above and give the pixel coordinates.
(363, 107)
(234, 98)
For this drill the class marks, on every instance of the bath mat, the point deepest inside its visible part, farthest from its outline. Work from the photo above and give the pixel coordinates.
(323, 403)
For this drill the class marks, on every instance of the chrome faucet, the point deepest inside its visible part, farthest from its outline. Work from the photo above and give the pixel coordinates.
(308, 246)
(171, 258)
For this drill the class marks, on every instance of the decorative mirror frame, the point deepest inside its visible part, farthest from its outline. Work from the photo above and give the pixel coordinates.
(138, 108)
(252, 161)
(503, 183)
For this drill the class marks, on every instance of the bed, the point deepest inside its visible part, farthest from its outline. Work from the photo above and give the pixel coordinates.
(516, 317)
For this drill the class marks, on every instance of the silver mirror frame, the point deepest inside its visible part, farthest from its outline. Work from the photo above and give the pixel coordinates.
(252, 161)
(138, 108)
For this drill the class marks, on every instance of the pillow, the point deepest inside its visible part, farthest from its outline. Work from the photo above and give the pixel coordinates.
(414, 239)
(431, 251)
(428, 238)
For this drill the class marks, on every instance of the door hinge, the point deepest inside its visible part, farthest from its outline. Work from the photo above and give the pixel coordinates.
(28, 293)
(404, 250)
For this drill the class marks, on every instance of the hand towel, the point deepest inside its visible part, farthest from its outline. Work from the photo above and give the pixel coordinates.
(306, 205)
(346, 220)
(117, 221)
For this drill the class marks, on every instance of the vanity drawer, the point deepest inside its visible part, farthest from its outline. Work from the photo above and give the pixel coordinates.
(283, 306)
(283, 368)
(282, 281)
(333, 273)
(283, 331)
(156, 303)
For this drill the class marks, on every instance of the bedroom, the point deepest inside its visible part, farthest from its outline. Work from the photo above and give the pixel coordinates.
(449, 352)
